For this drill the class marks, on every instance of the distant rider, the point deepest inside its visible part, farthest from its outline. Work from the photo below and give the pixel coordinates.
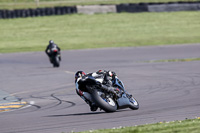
(49, 50)
(106, 78)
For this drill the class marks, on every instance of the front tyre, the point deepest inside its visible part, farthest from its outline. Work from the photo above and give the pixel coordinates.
(134, 105)
(107, 104)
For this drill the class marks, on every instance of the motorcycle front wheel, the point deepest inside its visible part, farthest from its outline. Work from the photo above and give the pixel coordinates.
(134, 105)
(105, 103)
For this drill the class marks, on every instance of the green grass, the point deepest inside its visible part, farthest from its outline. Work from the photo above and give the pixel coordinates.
(100, 30)
(20, 4)
(186, 126)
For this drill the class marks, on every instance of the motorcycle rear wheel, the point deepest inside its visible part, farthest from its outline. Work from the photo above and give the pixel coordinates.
(56, 62)
(107, 104)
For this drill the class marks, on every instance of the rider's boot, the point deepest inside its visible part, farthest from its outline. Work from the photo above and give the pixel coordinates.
(93, 107)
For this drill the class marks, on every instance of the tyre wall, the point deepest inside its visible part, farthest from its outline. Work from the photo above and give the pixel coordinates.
(170, 7)
(132, 8)
(159, 7)
(22, 13)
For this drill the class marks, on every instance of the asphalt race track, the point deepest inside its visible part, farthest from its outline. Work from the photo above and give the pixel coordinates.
(166, 91)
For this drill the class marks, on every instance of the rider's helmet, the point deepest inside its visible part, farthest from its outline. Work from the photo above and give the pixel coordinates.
(111, 76)
(79, 74)
(51, 42)
(110, 73)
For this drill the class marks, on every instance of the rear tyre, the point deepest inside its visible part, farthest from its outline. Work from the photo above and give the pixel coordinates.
(56, 62)
(107, 104)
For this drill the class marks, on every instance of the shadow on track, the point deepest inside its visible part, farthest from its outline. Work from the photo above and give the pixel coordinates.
(80, 114)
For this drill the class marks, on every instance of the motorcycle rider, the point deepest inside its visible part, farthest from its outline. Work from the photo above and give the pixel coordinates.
(106, 79)
(49, 49)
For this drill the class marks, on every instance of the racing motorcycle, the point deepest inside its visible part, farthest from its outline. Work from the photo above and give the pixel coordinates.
(109, 101)
(55, 57)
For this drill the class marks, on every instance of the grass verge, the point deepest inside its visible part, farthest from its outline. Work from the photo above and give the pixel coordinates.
(80, 31)
(186, 126)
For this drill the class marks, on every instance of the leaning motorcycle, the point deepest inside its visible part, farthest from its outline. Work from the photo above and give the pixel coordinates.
(55, 55)
(109, 101)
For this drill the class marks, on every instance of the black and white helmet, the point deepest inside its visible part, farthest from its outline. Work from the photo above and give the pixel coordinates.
(111, 74)
(51, 42)
(79, 74)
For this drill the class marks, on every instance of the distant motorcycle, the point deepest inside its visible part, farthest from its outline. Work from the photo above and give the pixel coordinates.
(108, 101)
(55, 57)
